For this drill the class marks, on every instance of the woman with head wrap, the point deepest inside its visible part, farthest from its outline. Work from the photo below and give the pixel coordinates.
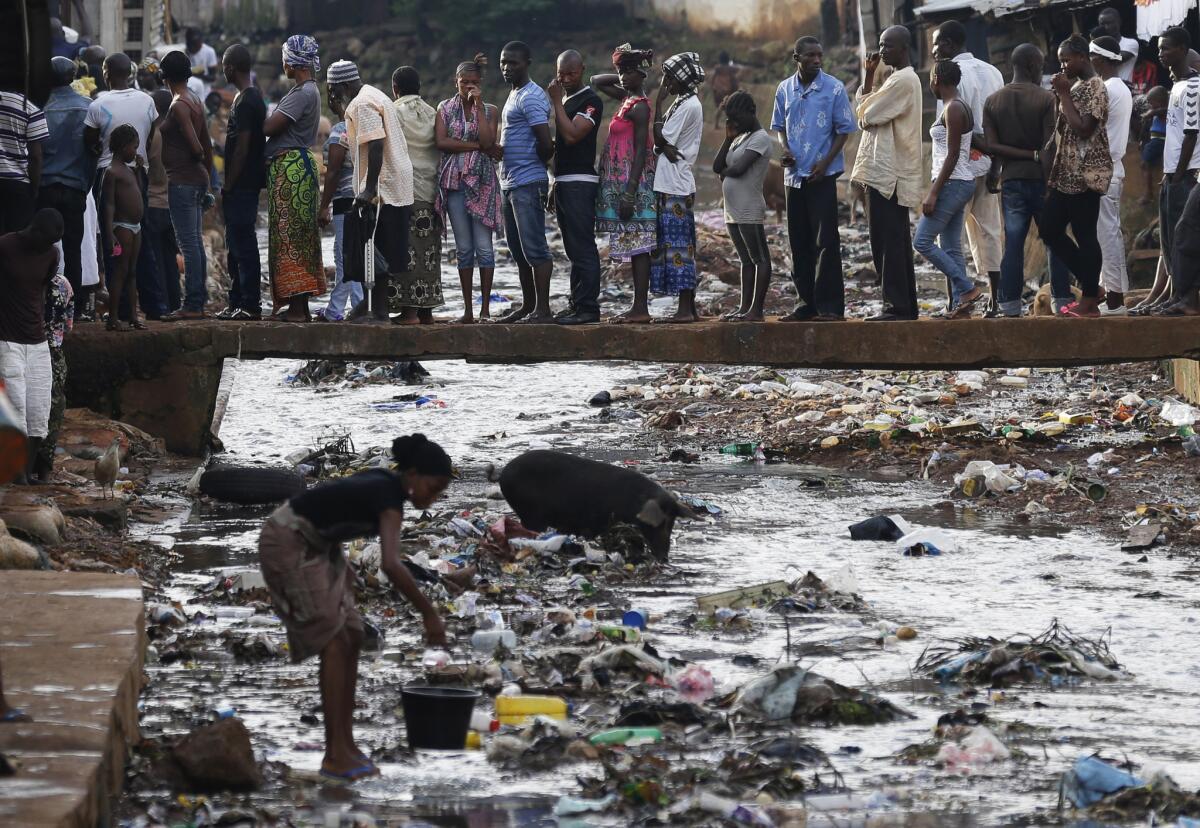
(625, 198)
(294, 240)
(677, 132)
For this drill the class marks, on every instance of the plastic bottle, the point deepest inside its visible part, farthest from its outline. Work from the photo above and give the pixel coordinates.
(637, 618)
(619, 633)
(627, 736)
(740, 449)
(733, 811)
(518, 709)
(435, 658)
(488, 641)
(484, 723)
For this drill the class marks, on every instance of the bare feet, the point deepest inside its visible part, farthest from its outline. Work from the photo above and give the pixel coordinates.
(736, 314)
(465, 319)
(631, 317)
(514, 315)
(752, 316)
(536, 319)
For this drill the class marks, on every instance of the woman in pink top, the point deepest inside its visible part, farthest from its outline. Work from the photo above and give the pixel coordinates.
(625, 200)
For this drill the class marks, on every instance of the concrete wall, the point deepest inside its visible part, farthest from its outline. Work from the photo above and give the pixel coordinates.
(766, 19)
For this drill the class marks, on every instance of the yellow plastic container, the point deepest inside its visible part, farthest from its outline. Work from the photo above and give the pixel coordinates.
(512, 710)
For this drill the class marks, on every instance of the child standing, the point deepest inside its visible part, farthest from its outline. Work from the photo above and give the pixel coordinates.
(742, 164)
(123, 224)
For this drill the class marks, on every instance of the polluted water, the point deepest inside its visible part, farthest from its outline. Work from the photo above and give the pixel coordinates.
(902, 745)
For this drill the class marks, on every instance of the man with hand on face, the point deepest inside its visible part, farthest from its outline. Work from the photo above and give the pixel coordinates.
(527, 145)
(813, 118)
(577, 113)
(889, 165)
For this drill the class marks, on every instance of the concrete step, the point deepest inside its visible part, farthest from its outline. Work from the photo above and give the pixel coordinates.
(71, 650)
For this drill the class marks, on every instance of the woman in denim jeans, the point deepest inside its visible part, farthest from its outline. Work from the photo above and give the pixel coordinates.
(468, 190)
(944, 209)
(187, 157)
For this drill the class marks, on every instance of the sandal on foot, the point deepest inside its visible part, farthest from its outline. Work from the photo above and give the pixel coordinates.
(351, 776)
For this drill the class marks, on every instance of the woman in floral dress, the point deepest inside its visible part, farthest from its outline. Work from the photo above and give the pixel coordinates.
(625, 200)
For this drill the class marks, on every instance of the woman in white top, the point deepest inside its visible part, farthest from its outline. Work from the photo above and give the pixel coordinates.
(944, 209)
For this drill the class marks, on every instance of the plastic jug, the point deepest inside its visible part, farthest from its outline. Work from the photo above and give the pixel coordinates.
(519, 709)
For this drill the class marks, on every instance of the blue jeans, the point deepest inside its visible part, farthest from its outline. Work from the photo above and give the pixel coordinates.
(947, 223)
(575, 207)
(472, 238)
(335, 309)
(1022, 199)
(187, 216)
(525, 223)
(245, 267)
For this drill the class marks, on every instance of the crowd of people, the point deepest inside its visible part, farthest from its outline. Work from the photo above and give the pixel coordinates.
(119, 165)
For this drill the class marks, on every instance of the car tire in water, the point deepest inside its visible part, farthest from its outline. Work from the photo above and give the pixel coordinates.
(251, 485)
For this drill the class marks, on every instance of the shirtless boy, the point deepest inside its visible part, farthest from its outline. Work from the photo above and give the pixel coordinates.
(123, 225)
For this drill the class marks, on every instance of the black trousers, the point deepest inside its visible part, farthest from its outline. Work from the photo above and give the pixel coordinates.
(71, 204)
(1185, 273)
(1082, 256)
(812, 219)
(16, 206)
(892, 252)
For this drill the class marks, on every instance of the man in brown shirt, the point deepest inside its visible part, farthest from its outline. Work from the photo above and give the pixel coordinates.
(28, 261)
(1018, 121)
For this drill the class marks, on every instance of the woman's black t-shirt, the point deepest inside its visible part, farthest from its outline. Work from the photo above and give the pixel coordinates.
(349, 508)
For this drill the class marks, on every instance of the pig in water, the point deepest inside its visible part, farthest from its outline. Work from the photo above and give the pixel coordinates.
(550, 489)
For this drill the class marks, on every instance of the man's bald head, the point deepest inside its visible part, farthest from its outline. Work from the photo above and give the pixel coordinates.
(1027, 61)
(570, 71)
(895, 45)
(570, 60)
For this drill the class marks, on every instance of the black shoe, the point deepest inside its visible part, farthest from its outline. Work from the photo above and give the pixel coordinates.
(578, 319)
(804, 314)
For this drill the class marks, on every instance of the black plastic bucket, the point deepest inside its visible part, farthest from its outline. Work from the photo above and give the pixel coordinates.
(438, 718)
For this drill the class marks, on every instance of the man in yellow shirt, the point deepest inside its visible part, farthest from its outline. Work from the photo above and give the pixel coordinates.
(383, 180)
(889, 165)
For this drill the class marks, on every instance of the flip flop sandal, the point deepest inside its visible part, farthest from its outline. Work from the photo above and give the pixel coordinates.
(15, 714)
(350, 776)
(1070, 310)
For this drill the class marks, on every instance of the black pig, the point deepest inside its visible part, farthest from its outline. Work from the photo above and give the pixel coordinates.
(584, 497)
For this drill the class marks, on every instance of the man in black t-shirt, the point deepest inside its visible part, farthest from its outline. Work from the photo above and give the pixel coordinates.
(577, 112)
(245, 177)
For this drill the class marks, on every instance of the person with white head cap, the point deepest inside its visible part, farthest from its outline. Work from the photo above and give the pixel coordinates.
(1107, 59)
(383, 186)
(294, 239)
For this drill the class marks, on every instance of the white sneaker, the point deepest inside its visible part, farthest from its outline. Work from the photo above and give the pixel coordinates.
(1121, 311)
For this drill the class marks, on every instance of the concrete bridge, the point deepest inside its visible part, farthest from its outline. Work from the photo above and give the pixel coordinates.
(164, 380)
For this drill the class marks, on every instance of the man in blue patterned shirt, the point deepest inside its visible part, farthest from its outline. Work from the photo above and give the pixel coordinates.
(813, 118)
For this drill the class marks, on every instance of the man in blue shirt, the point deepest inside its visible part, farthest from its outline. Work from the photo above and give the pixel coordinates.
(527, 146)
(68, 168)
(813, 119)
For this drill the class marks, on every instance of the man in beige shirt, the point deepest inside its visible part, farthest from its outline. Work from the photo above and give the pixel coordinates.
(383, 181)
(418, 292)
(889, 165)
